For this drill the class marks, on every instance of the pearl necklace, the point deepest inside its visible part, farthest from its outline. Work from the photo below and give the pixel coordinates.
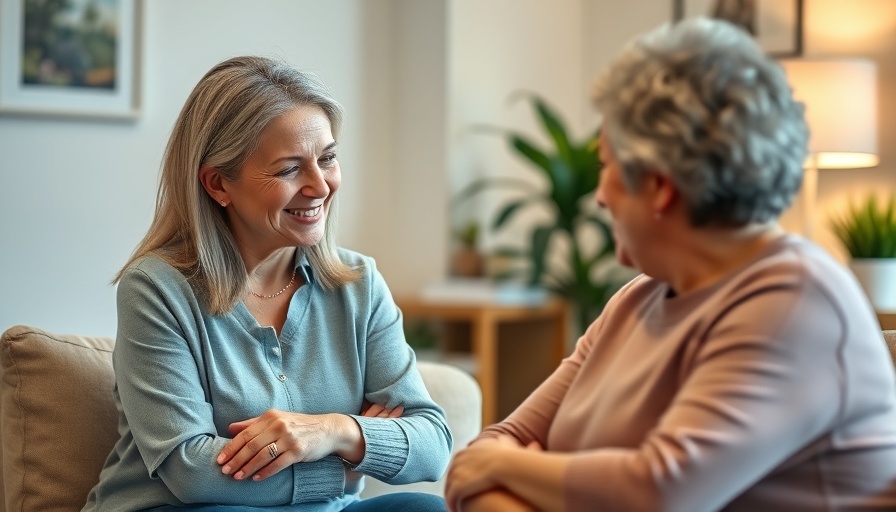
(287, 287)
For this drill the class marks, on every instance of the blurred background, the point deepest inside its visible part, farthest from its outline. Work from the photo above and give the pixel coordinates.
(77, 193)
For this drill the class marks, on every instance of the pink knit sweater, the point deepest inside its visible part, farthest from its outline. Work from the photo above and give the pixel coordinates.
(769, 390)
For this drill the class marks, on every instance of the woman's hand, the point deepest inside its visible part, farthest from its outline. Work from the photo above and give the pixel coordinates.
(373, 411)
(369, 410)
(264, 445)
(479, 468)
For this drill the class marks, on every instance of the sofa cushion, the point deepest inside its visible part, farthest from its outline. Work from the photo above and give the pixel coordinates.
(57, 417)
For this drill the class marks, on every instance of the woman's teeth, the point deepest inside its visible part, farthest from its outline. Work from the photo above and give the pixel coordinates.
(305, 213)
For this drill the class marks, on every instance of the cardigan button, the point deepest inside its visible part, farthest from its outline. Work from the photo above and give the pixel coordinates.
(282, 378)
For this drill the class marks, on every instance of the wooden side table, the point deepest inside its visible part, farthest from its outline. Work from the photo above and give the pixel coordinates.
(527, 343)
(887, 320)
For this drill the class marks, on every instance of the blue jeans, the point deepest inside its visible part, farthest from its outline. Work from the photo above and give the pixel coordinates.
(400, 502)
(394, 502)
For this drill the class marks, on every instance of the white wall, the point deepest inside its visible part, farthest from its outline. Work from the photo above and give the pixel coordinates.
(608, 26)
(408, 214)
(498, 48)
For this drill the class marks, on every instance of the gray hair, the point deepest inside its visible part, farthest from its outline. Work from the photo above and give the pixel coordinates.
(700, 102)
(219, 126)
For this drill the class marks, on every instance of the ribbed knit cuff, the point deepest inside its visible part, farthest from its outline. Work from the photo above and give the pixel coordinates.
(320, 480)
(386, 447)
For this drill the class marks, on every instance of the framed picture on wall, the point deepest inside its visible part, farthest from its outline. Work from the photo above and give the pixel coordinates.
(77, 58)
(777, 25)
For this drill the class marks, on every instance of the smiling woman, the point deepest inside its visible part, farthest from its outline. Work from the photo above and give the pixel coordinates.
(283, 193)
(237, 313)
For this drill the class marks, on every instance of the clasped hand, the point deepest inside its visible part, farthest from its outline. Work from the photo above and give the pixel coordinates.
(479, 468)
(298, 438)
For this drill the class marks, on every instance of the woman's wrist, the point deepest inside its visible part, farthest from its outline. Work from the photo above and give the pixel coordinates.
(348, 439)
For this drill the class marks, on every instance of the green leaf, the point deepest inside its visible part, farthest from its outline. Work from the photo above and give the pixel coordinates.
(868, 230)
(563, 191)
(554, 127)
(512, 208)
(533, 154)
(541, 237)
(587, 165)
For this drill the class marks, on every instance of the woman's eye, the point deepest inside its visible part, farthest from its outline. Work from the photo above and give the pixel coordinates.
(288, 171)
(328, 159)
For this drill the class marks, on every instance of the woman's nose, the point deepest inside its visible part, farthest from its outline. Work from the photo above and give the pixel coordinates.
(315, 185)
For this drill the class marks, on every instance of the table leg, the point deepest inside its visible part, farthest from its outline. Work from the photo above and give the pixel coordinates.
(484, 345)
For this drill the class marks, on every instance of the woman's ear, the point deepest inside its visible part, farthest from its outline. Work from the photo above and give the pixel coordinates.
(213, 183)
(663, 192)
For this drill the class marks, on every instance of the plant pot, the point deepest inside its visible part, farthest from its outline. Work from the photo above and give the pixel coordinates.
(878, 278)
(467, 262)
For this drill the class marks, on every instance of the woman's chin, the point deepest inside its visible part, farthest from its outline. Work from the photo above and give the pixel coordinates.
(308, 238)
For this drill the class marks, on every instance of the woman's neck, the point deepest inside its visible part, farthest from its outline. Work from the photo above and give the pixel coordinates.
(703, 256)
(267, 272)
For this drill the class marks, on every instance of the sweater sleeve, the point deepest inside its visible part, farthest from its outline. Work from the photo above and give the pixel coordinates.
(162, 396)
(415, 447)
(762, 386)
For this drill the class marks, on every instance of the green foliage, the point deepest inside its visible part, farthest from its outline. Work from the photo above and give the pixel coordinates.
(867, 230)
(571, 170)
(468, 235)
(421, 335)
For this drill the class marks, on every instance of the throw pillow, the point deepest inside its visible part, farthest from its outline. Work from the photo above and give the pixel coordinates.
(58, 419)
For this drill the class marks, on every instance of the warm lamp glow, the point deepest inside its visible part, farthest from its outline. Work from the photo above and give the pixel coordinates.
(841, 109)
(843, 160)
(840, 96)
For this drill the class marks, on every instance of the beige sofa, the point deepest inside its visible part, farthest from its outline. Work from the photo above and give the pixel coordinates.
(58, 419)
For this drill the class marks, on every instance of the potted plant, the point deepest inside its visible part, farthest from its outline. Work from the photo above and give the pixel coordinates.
(467, 260)
(570, 171)
(868, 233)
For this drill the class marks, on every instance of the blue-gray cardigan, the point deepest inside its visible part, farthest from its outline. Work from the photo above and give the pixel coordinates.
(182, 376)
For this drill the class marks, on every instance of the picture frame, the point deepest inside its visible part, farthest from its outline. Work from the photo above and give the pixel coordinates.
(777, 25)
(81, 60)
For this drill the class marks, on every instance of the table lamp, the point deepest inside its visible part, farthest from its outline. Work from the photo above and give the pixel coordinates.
(841, 110)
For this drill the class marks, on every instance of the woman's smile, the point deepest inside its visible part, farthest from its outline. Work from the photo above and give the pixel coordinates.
(305, 215)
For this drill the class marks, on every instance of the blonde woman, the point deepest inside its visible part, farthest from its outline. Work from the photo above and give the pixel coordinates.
(249, 348)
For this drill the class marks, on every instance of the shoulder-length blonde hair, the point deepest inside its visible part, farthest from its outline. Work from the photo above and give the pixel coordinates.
(219, 126)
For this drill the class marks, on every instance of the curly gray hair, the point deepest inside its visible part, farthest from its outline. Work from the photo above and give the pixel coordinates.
(700, 102)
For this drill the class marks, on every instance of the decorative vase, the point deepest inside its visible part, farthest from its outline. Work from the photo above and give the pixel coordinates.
(467, 262)
(878, 278)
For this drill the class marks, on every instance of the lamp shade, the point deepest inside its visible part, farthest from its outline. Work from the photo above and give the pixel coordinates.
(841, 110)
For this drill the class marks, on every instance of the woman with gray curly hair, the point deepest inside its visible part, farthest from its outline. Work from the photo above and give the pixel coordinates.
(743, 369)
